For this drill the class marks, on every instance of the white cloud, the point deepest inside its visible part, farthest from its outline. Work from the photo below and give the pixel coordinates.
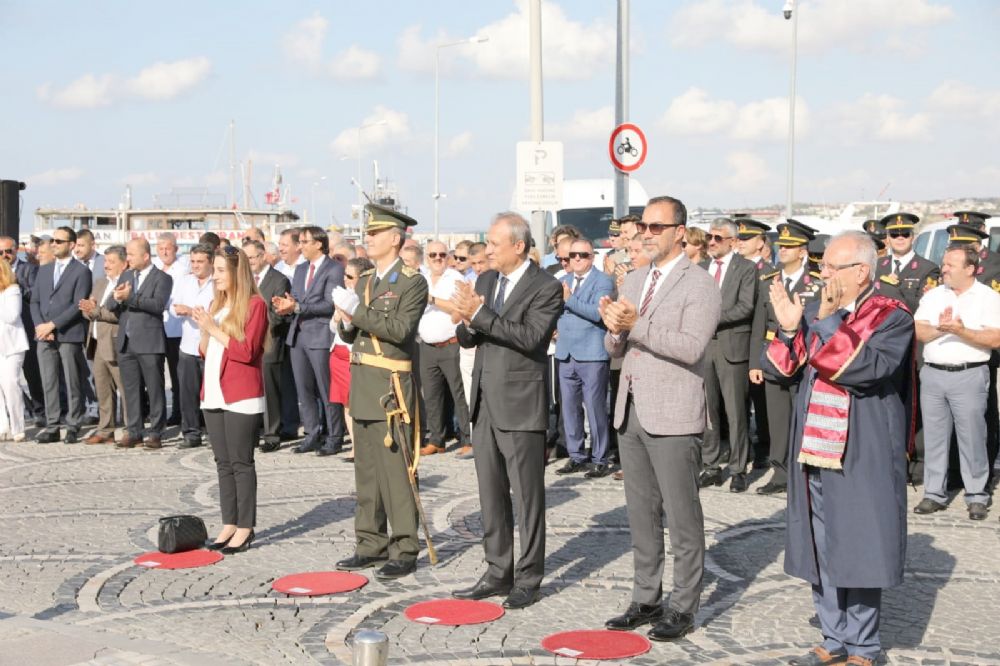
(304, 42)
(138, 179)
(861, 25)
(694, 112)
(380, 126)
(166, 80)
(263, 158)
(882, 118)
(585, 124)
(87, 92)
(956, 97)
(570, 50)
(746, 172)
(55, 176)
(355, 64)
(460, 144)
(304, 45)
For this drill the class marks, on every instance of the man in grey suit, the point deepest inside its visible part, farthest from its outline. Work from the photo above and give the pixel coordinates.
(101, 348)
(139, 300)
(509, 318)
(660, 326)
(727, 357)
(61, 330)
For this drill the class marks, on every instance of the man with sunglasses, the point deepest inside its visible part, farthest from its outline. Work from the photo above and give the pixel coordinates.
(462, 260)
(727, 358)
(902, 267)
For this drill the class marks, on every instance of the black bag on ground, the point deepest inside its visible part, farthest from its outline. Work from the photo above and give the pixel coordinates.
(181, 533)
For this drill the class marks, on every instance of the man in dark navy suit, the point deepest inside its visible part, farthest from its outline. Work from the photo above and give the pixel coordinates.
(311, 305)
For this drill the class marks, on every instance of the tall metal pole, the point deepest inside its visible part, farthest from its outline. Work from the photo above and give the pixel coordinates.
(232, 164)
(789, 187)
(437, 140)
(537, 129)
(621, 102)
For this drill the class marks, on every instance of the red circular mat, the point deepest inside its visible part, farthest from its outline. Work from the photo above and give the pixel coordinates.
(454, 612)
(186, 560)
(596, 644)
(315, 583)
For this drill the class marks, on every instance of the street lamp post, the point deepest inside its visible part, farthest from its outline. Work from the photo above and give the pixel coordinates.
(437, 123)
(790, 14)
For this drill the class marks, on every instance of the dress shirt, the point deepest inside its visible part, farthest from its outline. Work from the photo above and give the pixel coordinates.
(259, 277)
(140, 278)
(108, 290)
(435, 324)
(193, 294)
(794, 277)
(664, 272)
(181, 267)
(904, 261)
(286, 270)
(577, 282)
(89, 263)
(60, 269)
(213, 380)
(978, 307)
(713, 267)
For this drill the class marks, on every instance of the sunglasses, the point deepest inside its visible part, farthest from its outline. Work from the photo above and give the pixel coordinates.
(229, 250)
(348, 276)
(717, 238)
(655, 228)
(579, 255)
(614, 235)
(563, 259)
(60, 241)
(339, 257)
(458, 258)
(437, 255)
(900, 234)
(9, 250)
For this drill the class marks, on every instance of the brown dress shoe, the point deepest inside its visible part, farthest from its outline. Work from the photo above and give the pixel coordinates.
(858, 660)
(431, 449)
(153, 443)
(618, 476)
(100, 439)
(464, 450)
(128, 442)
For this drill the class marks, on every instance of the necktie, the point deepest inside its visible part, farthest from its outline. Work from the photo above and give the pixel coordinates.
(257, 278)
(135, 282)
(648, 298)
(718, 271)
(498, 301)
(57, 275)
(576, 285)
(309, 278)
(375, 282)
(896, 272)
(788, 285)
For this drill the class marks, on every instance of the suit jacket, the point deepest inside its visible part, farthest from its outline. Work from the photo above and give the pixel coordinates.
(60, 303)
(102, 334)
(663, 353)
(275, 284)
(581, 331)
(512, 345)
(98, 269)
(240, 376)
(26, 274)
(311, 326)
(140, 316)
(739, 290)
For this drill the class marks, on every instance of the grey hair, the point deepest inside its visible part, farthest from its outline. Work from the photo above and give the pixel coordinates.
(727, 224)
(864, 248)
(167, 236)
(117, 250)
(417, 250)
(271, 247)
(589, 242)
(519, 228)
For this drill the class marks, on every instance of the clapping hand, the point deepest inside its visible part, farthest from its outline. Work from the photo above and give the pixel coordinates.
(566, 291)
(87, 306)
(122, 291)
(466, 301)
(618, 316)
(788, 311)
(203, 319)
(949, 322)
(283, 305)
(182, 310)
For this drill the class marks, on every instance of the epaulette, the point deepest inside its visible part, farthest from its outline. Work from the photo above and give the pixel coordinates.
(370, 271)
(769, 276)
(410, 272)
(890, 279)
(816, 274)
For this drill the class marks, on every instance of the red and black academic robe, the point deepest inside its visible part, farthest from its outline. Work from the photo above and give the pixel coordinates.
(865, 502)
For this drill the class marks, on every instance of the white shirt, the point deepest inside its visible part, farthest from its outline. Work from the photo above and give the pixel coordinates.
(713, 267)
(794, 277)
(435, 324)
(181, 267)
(108, 290)
(259, 277)
(664, 271)
(213, 385)
(512, 280)
(978, 307)
(577, 281)
(904, 261)
(286, 270)
(190, 292)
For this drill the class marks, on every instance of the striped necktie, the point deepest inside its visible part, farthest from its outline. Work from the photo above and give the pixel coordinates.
(648, 298)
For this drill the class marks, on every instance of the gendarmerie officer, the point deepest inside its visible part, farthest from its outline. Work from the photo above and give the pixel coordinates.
(753, 245)
(793, 255)
(902, 267)
(382, 329)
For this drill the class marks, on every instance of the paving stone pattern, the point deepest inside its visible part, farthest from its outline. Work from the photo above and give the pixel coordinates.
(73, 517)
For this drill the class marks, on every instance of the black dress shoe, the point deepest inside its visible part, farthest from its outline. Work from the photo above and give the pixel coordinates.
(772, 488)
(763, 463)
(636, 616)
(978, 511)
(598, 471)
(330, 450)
(482, 589)
(270, 445)
(396, 569)
(818, 656)
(174, 421)
(307, 446)
(189, 443)
(358, 562)
(521, 597)
(47, 437)
(288, 436)
(710, 477)
(72, 437)
(572, 467)
(242, 548)
(738, 484)
(927, 505)
(673, 625)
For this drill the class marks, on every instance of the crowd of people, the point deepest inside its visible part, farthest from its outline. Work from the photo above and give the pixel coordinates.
(686, 357)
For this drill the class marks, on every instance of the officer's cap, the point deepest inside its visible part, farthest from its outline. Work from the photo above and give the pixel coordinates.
(382, 217)
(614, 228)
(817, 247)
(972, 217)
(874, 228)
(792, 233)
(900, 221)
(748, 228)
(964, 233)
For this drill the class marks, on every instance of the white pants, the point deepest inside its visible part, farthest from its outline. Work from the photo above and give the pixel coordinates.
(11, 398)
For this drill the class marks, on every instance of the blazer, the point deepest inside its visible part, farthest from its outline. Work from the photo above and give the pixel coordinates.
(60, 304)
(102, 334)
(739, 293)
(310, 328)
(663, 353)
(13, 339)
(98, 269)
(26, 273)
(140, 316)
(581, 331)
(275, 284)
(512, 345)
(240, 373)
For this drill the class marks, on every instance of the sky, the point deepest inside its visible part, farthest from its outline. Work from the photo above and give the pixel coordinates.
(898, 98)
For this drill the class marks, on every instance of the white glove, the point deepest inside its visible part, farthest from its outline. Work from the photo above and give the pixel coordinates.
(346, 300)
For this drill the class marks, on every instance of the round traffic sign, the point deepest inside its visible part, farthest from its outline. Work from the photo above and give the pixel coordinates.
(627, 147)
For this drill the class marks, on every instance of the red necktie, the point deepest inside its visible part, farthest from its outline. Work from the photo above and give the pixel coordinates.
(718, 271)
(309, 279)
(648, 298)
(257, 278)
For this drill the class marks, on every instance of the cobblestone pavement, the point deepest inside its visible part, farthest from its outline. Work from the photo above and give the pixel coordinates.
(73, 517)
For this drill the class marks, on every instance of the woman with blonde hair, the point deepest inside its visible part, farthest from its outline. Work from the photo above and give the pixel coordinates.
(234, 334)
(13, 345)
(695, 245)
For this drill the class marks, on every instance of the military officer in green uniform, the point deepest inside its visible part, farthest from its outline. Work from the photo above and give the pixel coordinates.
(793, 255)
(380, 320)
(903, 268)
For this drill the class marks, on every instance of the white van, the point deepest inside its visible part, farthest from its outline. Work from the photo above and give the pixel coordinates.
(932, 240)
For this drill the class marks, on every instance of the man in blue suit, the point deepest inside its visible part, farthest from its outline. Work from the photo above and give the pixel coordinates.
(60, 330)
(584, 364)
(309, 339)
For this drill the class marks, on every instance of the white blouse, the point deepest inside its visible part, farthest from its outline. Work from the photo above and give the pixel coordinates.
(213, 386)
(13, 339)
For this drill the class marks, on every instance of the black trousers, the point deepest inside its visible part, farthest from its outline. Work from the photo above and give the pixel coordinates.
(272, 400)
(290, 420)
(33, 376)
(136, 370)
(189, 371)
(440, 372)
(173, 353)
(233, 437)
(312, 380)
